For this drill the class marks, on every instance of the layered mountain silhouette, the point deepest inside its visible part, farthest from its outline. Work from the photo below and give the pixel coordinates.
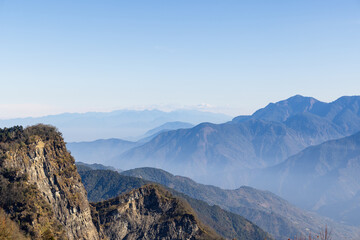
(167, 127)
(324, 178)
(264, 139)
(302, 149)
(99, 151)
(272, 213)
(102, 185)
(123, 124)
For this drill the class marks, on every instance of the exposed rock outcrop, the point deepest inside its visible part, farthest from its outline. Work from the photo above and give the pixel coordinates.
(39, 154)
(149, 212)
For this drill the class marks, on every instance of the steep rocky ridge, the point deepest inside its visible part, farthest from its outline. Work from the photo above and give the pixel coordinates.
(149, 212)
(102, 185)
(36, 158)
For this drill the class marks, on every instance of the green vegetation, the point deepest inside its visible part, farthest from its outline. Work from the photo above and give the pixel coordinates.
(9, 230)
(18, 134)
(24, 204)
(104, 184)
(229, 225)
(15, 138)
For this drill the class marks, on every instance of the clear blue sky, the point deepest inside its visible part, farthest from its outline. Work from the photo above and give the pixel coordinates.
(235, 55)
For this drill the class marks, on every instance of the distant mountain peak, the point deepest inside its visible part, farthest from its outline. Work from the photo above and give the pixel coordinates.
(299, 97)
(281, 110)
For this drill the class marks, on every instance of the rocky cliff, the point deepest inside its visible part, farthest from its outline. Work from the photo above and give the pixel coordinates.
(36, 158)
(149, 212)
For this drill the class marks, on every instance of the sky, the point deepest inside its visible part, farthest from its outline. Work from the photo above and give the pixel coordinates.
(229, 56)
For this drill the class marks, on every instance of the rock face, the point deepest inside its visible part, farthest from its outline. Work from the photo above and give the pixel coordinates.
(104, 184)
(47, 165)
(149, 212)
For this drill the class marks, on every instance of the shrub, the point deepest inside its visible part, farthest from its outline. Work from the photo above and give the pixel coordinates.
(9, 230)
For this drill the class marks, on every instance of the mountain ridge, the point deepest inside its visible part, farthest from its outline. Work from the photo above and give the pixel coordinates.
(324, 175)
(158, 215)
(339, 111)
(104, 184)
(123, 124)
(267, 210)
(267, 138)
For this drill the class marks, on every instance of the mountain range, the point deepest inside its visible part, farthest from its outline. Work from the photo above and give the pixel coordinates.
(324, 178)
(104, 184)
(99, 151)
(272, 213)
(266, 138)
(343, 112)
(104, 150)
(124, 124)
(302, 149)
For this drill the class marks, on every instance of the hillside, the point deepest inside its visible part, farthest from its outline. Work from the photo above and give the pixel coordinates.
(321, 178)
(149, 212)
(102, 185)
(41, 194)
(95, 166)
(9, 229)
(40, 187)
(270, 212)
